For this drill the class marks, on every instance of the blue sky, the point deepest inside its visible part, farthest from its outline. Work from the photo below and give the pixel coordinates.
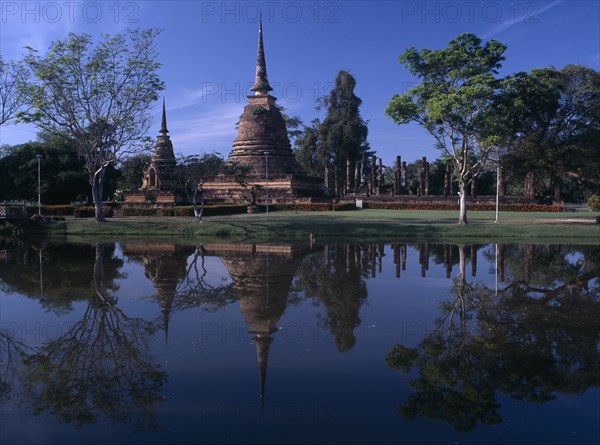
(208, 52)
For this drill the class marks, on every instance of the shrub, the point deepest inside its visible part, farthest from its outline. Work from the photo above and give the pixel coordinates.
(90, 212)
(471, 207)
(138, 211)
(63, 210)
(593, 203)
(209, 210)
(300, 207)
(214, 210)
(344, 206)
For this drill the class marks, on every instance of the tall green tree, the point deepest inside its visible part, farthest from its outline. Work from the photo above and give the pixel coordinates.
(306, 150)
(63, 177)
(454, 103)
(95, 94)
(554, 117)
(342, 136)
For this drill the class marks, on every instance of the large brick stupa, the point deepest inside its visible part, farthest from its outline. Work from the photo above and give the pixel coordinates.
(262, 144)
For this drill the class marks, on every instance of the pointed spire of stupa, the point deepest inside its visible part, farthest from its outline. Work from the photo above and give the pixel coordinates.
(166, 317)
(261, 83)
(163, 124)
(263, 342)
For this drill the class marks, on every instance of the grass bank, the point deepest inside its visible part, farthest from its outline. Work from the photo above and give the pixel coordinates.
(358, 225)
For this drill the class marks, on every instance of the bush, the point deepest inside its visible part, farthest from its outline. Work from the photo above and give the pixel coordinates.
(138, 211)
(209, 210)
(214, 210)
(64, 210)
(300, 207)
(344, 206)
(470, 207)
(90, 212)
(593, 203)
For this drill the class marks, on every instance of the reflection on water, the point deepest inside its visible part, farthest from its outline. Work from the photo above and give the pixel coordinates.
(524, 327)
(536, 336)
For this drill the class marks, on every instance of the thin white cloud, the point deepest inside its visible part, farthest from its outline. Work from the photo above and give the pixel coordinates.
(211, 130)
(512, 22)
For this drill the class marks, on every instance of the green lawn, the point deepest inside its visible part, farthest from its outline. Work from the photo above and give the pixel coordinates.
(360, 224)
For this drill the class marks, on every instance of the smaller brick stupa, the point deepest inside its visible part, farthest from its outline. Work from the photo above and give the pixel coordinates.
(262, 145)
(158, 178)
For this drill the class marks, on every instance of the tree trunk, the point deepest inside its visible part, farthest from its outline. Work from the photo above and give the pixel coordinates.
(198, 212)
(98, 282)
(97, 181)
(462, 194)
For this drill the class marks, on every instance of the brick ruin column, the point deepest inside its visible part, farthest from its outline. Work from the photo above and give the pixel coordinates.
(403, 183)
(380, 177)
(398, 176)
(529, 189)
(426, 166)
(421, 176)
(373, 175)
(447, 179)
(363, 170)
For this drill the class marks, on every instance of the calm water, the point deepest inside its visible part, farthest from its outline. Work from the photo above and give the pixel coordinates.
(218, 343)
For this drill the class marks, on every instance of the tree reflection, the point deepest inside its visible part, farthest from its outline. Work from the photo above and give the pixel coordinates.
(11, 353)
(195, 289)
(335, 279)
(58, 276)
(529, 341)
(179, 275)
(101, 366)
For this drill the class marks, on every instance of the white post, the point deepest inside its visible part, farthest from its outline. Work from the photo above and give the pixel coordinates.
(497, 190)
(496, 255)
